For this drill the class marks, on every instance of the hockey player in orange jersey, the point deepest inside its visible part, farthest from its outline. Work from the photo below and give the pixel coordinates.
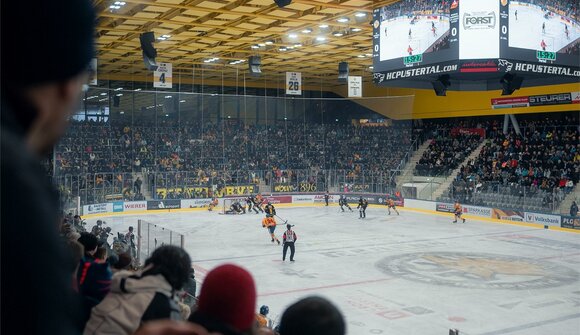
(270, 224)
(458, 211)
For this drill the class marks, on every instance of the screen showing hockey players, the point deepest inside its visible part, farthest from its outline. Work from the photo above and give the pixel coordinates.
(411, 27)
(550, 26)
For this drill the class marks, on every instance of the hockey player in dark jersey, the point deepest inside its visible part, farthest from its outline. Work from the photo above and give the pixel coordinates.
(270, 210)
(342, 202)
(249, 202)
(362, 207)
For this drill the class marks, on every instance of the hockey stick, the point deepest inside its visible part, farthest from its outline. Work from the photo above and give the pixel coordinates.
(285, 221)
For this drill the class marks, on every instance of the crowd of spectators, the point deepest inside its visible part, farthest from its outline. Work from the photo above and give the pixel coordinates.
(542, 163)
(106, 278)
(103, 156)
(445, 154)
(410, 8)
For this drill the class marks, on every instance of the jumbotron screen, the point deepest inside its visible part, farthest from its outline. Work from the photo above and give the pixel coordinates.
(413, 38)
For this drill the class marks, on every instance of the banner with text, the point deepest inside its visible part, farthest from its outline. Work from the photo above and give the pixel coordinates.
(468, 131)
(293, 83)
(537, 100)
(163, 204)
(570, 222)
(135, 206)
(300, 187)
(98, 208)
(195, 203)
(545, 219)
(507, 214)
(354, 86)
(163, 76)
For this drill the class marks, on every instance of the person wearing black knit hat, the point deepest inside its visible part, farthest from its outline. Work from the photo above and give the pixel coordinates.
(312, 316)
(46, 48)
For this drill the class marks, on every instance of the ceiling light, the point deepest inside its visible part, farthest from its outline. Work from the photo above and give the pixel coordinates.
(242, 60)
(121, 112)
(360, 14)
(369, 55)
(292, 35)
(269, 42)
(118, 89)
(166, 114)
(290, 47)
(120, 94)
(371, 67)
(181, 100)
(104, 93)
(321, 38)
(168, 97)
(283, 49)
(307, 31)
(103, 99)
(262, 44)
(355, 30)
(337, 34)
(343, 20)
(323, 26)
(298, 45)
(137, 89)
(255, 47)
(161, 38)
(361, 56)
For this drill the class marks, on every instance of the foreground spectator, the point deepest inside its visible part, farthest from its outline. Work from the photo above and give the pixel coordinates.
(145, 296)
(93, 275)
(312, 316)
(37, 99)
(227, 302)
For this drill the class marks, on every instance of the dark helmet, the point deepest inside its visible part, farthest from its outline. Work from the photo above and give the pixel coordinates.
(130, 228)
(288, 226)
(264, 310)
(99, 222)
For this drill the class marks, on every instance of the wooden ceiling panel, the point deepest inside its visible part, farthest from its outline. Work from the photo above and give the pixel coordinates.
(202, 29)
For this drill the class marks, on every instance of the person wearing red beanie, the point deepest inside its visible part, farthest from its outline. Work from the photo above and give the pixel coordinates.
(227, 302)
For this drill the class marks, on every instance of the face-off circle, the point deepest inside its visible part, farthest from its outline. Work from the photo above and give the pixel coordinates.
(477, 270)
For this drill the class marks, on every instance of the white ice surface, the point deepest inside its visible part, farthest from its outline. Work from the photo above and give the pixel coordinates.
(338, 255)
(395, 43)
(526, 31)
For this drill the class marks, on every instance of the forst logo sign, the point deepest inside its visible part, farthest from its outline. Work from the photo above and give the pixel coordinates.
(479, 20)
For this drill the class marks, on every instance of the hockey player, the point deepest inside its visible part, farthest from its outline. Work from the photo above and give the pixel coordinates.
(544, 28)
(270, 210)
(362, 207)
(410, 34)
(258, 200)
(262, 317)
(566, 31)
(391, 204)
(97, 229)
(410, 50)
(289, 238)
(458, 211)
(342, 202)
(270, 224)
(249, 202)
(516, 14)
(543, 45)
(212, 204)
(326, 197)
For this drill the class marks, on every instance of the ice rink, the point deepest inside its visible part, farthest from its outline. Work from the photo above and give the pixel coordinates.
(398, 275)
(526, 31)
(395, 42)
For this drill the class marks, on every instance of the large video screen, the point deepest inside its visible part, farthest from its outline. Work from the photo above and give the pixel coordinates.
(413, 27)
(546, 31)
(413, 33)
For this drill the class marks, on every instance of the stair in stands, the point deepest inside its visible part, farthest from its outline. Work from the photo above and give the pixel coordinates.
(407, 173)
(564, 208)
(444, 186)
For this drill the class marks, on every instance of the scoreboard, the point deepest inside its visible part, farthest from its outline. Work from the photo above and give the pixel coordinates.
(476, 40)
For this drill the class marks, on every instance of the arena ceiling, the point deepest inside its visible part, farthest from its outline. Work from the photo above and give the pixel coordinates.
(288, 39)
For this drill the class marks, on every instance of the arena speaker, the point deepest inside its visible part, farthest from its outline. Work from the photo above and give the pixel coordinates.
(510, 83)
(282, 3)
(254, 63)
(342, 71)
(441, 84)
(149, 52)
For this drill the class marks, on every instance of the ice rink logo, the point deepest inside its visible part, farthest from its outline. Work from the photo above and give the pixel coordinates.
(506, 65)
(477, 270)
(479, 20)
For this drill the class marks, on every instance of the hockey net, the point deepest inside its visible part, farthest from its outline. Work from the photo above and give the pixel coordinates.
(227, 203)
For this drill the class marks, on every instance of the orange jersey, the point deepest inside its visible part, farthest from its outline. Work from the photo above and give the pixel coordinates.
(259, 198)
(391, 202)
(457, 208)
(268, 222)
(262, 321)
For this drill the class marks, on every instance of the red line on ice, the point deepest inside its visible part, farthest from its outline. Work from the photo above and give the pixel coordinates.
(325, 287)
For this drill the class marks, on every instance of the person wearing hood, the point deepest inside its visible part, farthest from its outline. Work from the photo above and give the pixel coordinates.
(136, 298)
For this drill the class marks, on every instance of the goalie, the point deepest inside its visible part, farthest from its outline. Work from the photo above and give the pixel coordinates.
(236, 208)
(270, 224)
